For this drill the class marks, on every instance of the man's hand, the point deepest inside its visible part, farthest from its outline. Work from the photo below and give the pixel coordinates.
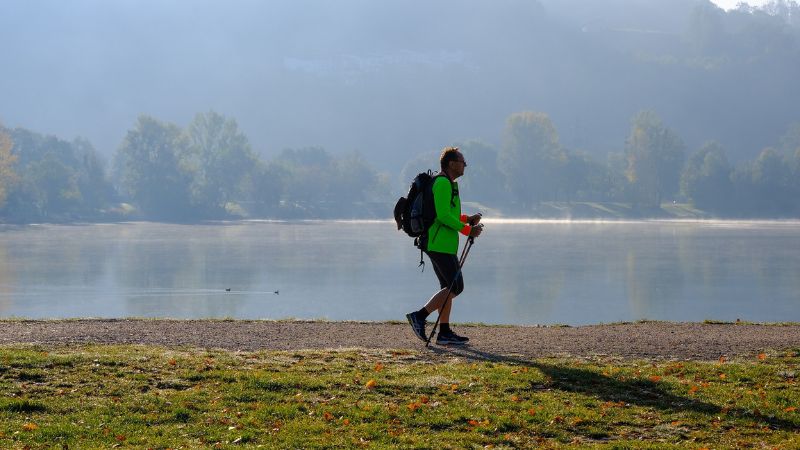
(474, 219)
(475, 231)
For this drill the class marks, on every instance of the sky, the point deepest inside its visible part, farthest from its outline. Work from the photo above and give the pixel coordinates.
(377, 77)
(730, 4)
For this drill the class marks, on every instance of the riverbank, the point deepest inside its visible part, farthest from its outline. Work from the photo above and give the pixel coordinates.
(639, 340)
(381, 211)
(95, 383)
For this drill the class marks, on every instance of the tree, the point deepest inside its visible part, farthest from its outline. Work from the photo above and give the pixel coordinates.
(53, 186)
(219, 158)
(148, 169)
(7, 159)
(585, 179)
(354, 179)
(317, 183)
(764, 187)
(532, 157)
(706, 178)
(267, 188)
(57, 179)
(771, 178)
(92, 182)
(790, 141)
(655, 156)
(308, 174)
(794, 166)
(420, 163)
(706, 30)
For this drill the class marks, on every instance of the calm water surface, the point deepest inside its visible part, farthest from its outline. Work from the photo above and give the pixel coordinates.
(524, 272)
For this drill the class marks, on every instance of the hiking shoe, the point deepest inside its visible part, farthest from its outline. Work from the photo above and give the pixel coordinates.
(417, 324)
(451, 339)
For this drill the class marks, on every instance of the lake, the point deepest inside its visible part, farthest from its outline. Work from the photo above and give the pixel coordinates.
(518, 272)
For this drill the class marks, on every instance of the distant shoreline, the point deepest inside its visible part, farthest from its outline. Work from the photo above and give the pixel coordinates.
(489, 219)
(546, 211)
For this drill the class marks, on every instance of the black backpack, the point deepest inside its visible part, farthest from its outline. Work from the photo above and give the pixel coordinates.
(416, 212)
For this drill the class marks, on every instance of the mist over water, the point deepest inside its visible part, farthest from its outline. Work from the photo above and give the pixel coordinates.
(518, 272)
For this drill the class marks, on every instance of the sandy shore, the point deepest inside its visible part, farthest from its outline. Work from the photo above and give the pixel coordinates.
(648, 340)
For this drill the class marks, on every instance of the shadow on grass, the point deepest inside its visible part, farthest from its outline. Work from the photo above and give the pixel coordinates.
(638, 392)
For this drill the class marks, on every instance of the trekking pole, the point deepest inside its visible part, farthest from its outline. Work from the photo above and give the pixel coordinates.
(463, 258)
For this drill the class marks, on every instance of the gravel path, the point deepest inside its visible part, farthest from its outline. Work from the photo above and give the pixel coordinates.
(648, 340)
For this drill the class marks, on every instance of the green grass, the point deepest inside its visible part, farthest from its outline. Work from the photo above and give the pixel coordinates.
(151, 397)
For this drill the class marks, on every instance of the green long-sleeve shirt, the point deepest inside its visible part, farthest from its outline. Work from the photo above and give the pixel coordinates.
(443, 233)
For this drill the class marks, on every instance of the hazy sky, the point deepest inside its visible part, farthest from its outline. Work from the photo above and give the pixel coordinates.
(730, 4)
(379, 77)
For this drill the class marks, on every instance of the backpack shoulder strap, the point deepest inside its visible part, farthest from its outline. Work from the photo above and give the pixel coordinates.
(452, 188)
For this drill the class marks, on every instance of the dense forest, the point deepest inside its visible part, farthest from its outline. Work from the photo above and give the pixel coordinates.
(563, 108)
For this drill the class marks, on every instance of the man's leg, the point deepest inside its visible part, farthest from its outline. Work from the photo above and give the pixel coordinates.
(437, 301)
(447, 271)
(452, 283)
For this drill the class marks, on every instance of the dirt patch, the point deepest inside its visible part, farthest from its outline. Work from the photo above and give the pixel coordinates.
(648, 340)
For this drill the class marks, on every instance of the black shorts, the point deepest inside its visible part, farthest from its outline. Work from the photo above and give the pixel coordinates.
(446, 267)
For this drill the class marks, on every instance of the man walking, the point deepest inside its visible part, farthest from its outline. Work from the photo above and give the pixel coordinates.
(440, 243)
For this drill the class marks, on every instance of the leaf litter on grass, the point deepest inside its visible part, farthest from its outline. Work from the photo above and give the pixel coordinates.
(155, 397)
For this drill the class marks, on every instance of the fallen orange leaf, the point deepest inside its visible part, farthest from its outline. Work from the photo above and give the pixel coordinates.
(424, 399)
(532, 412)
(722, 376)
(762, 356)
(722, 360)
(474, 423)
(790, 409)
(371, 384)
(346, 421)
(619, 404)
(30, 426)
(413, 406)
(172, 362)
(693, 389)
(378, 367)
(327, 416)
(514, 398)
(655, 378)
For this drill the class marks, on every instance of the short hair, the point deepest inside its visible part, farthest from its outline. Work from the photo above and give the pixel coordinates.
(448, 154)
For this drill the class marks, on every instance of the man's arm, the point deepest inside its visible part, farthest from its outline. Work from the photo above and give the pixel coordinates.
(442, 191)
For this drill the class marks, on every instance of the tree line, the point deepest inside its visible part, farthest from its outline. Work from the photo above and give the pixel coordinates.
(531, 167)
(160, 171)
(208, 170)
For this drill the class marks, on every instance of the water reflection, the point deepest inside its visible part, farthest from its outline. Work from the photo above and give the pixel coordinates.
(518, 272)
(6, 281)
